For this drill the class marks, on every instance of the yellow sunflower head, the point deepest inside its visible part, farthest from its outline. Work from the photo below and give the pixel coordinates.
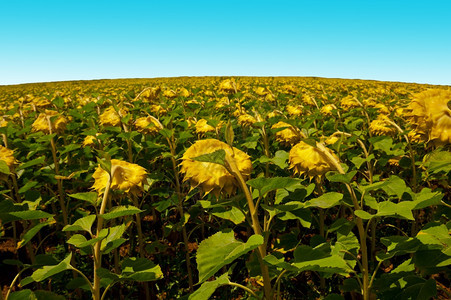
(203, 127)
(294, 111)
(309, 160)
(110, 117)
(89, 140)
(327, 109)
(287, 136)
(349, 102)
(56, 121)
(228, 85)
(158, 109)
(246, 120)
(380, 126)
(211, 177)
(127, 177)
(148, 125)
(7, 155)
(430, 115)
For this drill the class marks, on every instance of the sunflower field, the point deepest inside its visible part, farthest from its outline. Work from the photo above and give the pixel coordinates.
(225, 188)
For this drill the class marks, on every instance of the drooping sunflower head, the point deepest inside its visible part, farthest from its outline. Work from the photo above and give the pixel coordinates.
(430, 115)
(381, 126)
(295, 110)
(309, 160)
(287, 136)
(148, 125)
(111, 117)
(89, 140)
(211, 177)
(327, 110)
(203, 127)
(50, 122)
(7, 155)
(246, 120)
(349, 102)
(228, 85)
(127, 177)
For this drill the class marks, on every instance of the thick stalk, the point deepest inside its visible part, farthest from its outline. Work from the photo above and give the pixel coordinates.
(359, 223)
(97, 252)
(178, 190)
(261, 253)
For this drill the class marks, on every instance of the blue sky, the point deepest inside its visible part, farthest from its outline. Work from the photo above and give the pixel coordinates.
(407, 41)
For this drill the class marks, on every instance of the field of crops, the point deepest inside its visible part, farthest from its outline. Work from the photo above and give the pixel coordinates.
(225, 188)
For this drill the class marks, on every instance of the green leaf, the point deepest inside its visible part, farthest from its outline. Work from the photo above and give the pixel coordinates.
(221, 249)
(90, 197)
(82, 224)
(392, 186)
(49, 271)
(113, 238)
(80, 241)
(402, 209)
(4, 167)
(30, 184)
(167, 133)
(22, 295)
(398, 245)
(209, 287)
(229, 135)
(265, 185)
(105, 163)
(120, 211)
(326, 200)
(343, 178)
(426, 198)
(39, 160)
(363, 214)
(69, 148)
(422, 290)
(24, 215)
(232, 214)
(140, 269)
(47, 295)
(216, 157)
(32, 232)
(316, 259)
(438, 161)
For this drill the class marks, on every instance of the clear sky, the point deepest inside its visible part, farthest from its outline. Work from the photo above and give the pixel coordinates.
(407, 41)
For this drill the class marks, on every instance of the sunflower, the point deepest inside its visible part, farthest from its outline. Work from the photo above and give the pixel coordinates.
(349, 102)
(309, 160)
(127, 177)
(110, 117)
(430, 115)
(56, 121)
(294, 110)
(228, 85)
(380, 126)
(89, 140)
(202, 127)
(148, 125)
(7, 155)
(327, 109)
(287, 136)
(211, 177)
(246, 120)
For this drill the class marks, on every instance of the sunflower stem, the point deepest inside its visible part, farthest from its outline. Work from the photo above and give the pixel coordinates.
(358, 221)
(171, 143)
(97, 252)
(261, 253)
